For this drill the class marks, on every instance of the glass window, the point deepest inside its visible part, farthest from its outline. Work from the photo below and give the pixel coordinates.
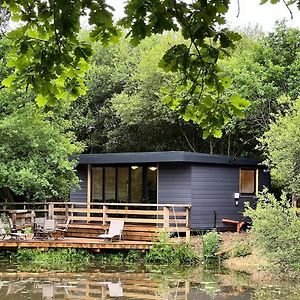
(152, 184)
(136, 185)
(247, 181)
(97, 189)
(123, 184)
(110, 184)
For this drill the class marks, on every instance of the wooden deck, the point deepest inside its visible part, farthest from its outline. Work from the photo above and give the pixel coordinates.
(78, 243)
(143, 223)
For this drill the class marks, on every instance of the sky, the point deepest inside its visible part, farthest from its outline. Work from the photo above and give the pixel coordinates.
(251, 13)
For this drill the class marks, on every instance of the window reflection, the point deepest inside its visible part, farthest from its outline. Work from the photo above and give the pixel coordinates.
(136, 184)
(123, 184)
(152, 184)
(97, 178)
(110, 184)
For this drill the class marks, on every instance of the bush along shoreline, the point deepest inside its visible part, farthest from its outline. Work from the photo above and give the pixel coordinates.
(244, 252)
(73, 260)
(165, 252)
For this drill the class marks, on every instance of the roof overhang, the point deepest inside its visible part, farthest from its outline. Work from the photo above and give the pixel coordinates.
(163, 157)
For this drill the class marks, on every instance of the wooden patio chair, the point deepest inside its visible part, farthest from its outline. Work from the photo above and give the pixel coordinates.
(115, 230)
(61, 229)
(38, 229)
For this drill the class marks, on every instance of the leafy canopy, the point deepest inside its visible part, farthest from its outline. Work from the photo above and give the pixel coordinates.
(35, 150)
(282, 147)
(49, 56)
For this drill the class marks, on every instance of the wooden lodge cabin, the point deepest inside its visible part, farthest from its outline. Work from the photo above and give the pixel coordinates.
(173, 192)
(214, 187)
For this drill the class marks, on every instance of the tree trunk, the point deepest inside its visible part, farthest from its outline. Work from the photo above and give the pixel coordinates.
(294, 201)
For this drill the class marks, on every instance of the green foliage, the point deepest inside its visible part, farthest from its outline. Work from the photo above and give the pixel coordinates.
(119, 258)
(257, 68)
(111, 259)
(133, 256)
(49, 56)
(165, 253)
(54, 259)
(123, 110)
(35, 150)
(36, 144)
(281, 144)
(276, 231)
(210, 244)
(241, 249)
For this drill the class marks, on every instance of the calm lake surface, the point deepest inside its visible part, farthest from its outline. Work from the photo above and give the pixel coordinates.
(111, 283)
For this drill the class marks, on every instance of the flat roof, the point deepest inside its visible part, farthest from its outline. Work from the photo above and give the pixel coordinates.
(163, 157)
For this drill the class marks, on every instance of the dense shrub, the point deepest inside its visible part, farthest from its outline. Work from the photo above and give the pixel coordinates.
(241, 249)
(54, 259)
(210, 244)
(276, 230)
(170, 254)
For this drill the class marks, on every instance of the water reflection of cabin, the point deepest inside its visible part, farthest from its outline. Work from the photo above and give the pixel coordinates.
(216, 186)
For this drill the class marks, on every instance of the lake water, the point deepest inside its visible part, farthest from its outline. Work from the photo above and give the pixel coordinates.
(112, 283)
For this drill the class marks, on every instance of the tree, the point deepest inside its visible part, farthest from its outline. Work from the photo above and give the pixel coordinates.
(281, 144)
(49, 56)
(123, 108)
(34, 151)
(35, 147)
(263, 68)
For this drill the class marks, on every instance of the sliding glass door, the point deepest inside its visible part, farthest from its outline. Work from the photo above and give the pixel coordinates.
(124, 184)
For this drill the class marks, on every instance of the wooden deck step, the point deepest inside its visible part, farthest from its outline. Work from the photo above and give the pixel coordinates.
(130, 233)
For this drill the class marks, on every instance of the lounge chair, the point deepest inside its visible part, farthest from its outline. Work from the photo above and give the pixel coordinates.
(115, 229)
(9, 232)
(3, 234)
(49, 228)
(115, 289)
(44, 228)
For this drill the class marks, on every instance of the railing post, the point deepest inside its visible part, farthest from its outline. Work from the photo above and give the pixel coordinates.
(166, 218)
(104, 214)
(88, 212)
(72, 211)
(51, 210)
(67, 212)
(187, 225)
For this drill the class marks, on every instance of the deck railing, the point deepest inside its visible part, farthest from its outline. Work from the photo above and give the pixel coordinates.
(163, 217)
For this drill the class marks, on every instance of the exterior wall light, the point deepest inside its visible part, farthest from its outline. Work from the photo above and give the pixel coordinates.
(153, 168)
(236, 198)
(134, 167)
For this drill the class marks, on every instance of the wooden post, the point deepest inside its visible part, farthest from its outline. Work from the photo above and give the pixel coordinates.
(104, 214)
(166, 218)
(89, 187)
(72, 212)
(187, 289)
(51, 210)
(67, 212)
(187, 225)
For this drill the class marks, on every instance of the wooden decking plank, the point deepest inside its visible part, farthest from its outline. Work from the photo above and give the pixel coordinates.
(76, 243)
